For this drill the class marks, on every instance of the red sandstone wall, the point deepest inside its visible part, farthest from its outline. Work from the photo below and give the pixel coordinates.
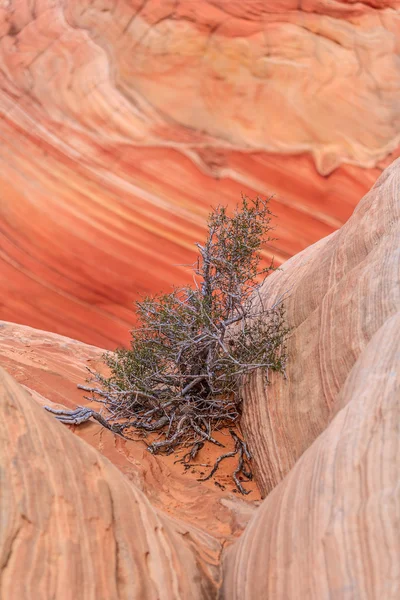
(121, 123)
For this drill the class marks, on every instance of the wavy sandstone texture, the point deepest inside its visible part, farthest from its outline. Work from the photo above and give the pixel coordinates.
(79, 527)
(340, 292)
(122, 122)
(330, 529)
(74, 525)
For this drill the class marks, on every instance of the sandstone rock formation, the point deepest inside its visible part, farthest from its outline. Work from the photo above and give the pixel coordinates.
(330, 529)
(122, 122)
(326, 442)
(340, 292)
(73, 527)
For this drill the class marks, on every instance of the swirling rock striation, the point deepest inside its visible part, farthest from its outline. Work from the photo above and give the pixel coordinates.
(330, 528)
(74, 527)
(122, 122)
(340, 292)
(326, 442)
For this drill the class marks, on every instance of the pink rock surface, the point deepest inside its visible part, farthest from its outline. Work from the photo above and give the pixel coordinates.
(326, 441)
(339, 293)
(330, 528)
(122, 122)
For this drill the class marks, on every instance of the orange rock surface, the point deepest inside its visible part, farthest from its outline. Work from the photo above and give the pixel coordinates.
(72, 526)
(121, 123)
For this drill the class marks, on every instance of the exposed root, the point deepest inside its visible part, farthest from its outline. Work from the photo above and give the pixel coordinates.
(191, 455)
(82, 414)
(243, 463)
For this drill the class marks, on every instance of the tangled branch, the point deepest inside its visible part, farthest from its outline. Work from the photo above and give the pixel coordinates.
(179, 382)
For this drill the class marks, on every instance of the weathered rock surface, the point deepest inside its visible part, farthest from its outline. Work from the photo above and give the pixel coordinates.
(330, 529)
(341, 291)
(72, 526)
(122, 122)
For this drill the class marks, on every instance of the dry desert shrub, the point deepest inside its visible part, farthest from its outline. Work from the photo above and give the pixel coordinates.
(180, 380)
